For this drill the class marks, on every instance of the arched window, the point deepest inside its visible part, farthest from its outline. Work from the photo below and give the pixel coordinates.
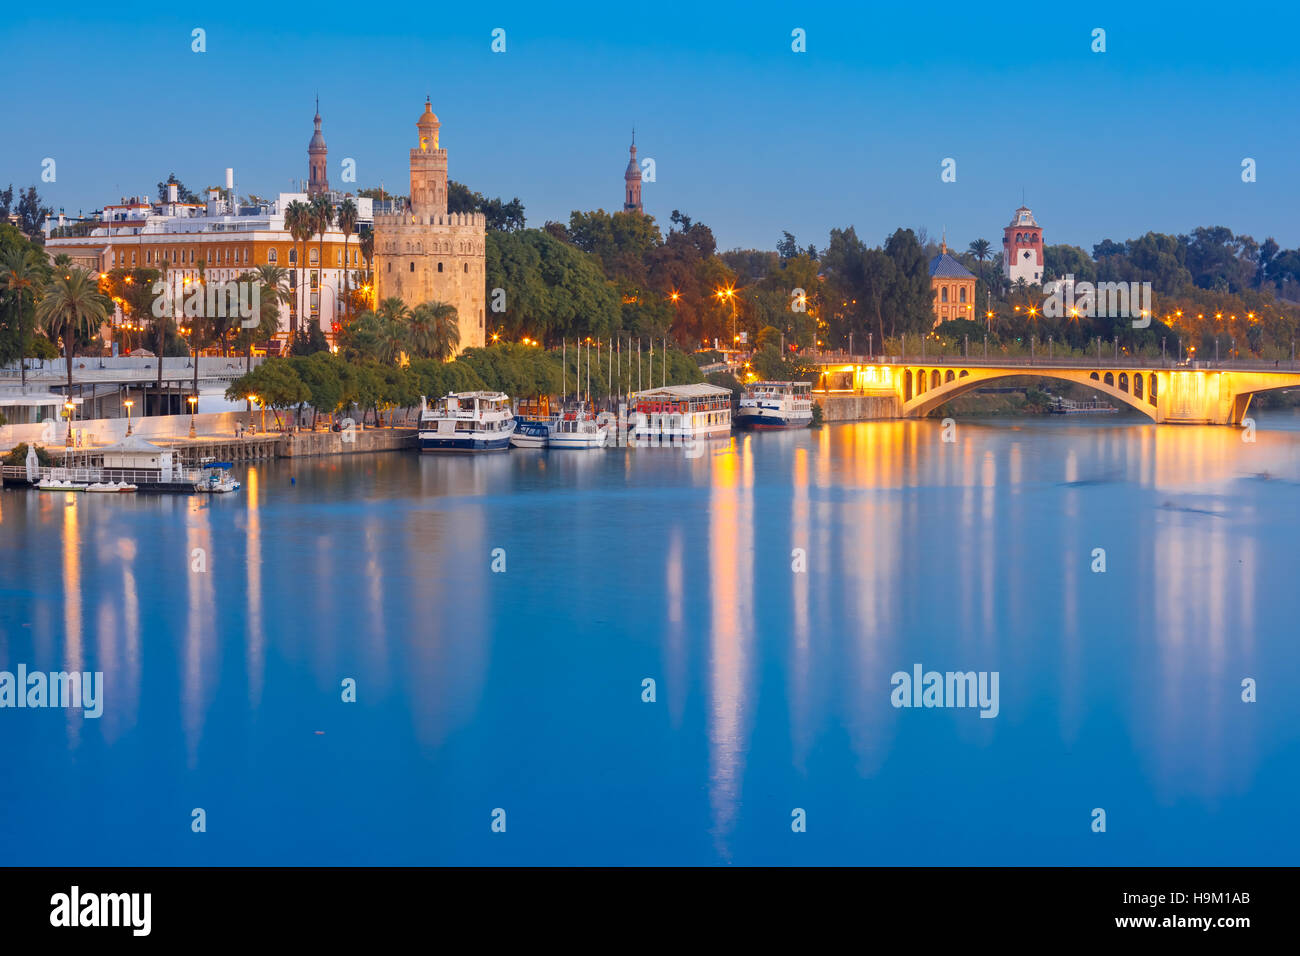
(293, 257)
(272, 256)
(943, 293)
(312, 257)
(962, 293)
(412, 266)
(439, 266)
(467, 267)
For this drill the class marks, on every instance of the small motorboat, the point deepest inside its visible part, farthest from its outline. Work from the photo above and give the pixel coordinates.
(216, 479)
(531, 433)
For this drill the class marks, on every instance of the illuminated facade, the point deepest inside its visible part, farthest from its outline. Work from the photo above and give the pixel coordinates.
(227, 239)
(423, 253)
(953, 286)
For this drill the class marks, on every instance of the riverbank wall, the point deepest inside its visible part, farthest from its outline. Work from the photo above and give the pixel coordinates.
(355, 441)
(857, 408)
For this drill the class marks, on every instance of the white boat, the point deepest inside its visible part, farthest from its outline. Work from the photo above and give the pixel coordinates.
(111, 487)
(532, 433)
(467, 421)
(216, 479)
(57, 484)
(775, 405)
(679, 413)
(578, 427)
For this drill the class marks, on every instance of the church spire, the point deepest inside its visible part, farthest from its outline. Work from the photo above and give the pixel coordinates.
(317, 160)
(632, 179)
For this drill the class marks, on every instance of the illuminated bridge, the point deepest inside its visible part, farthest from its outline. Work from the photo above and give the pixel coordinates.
(1192, 393)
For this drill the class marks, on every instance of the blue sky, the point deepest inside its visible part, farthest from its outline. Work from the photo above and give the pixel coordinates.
(746, 135)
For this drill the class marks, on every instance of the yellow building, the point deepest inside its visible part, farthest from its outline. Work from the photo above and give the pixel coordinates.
(953, 286)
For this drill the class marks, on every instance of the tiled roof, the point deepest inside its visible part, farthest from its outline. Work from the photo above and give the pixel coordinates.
(945, 266)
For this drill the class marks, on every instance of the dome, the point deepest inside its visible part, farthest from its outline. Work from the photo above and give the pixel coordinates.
(428, 119)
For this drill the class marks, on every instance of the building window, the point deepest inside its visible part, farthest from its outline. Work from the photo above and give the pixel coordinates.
(133, 258)
(338, 257)
(963, 293)
(148, 256)
(467, 267)
(439, 266)
(293, 257)
(312, 257)
(412, 266)
(271, 256)
(390, 267)
(943, 294)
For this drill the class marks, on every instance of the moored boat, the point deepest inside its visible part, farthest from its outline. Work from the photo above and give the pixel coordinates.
(775, 405)
(578, 427)
(467, 421)
(531, 433)
(678, 413)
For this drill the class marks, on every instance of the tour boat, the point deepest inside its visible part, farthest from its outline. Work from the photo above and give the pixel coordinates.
(677, 413)
(467, 421)
(531, 433)
(773, 405)
(578, 427)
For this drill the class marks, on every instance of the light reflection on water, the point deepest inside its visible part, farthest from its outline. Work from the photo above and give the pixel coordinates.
(522, 690)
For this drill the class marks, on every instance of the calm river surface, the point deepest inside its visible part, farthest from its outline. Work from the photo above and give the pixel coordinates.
(522, 690)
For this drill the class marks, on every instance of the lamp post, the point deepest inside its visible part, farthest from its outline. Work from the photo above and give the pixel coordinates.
(251, 400)
(128, 403)
(193, 402)
(68, 407)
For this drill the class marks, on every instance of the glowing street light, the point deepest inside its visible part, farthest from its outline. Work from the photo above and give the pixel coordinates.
(68, 407)
(251, 400)
(128, 403)
(193, 400)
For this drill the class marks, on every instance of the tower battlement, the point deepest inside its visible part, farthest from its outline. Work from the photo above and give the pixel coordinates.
(425, 253)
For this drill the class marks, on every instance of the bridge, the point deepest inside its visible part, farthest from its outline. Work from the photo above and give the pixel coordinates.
(1200, 393)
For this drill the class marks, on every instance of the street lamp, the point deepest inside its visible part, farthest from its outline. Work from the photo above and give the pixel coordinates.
(251, 400)
(128, 403)
(193, 402)
(68, 407)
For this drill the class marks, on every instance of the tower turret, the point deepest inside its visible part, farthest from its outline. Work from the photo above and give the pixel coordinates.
(428, 167)
(318, 181)
(632, 181)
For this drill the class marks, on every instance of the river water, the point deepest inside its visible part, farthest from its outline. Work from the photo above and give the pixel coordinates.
(769, 587)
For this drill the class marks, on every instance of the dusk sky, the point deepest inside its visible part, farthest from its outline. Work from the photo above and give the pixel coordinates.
(747, 136)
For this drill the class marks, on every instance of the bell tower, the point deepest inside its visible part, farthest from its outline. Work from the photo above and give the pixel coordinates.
(428, 168)
(317, 161)
(632, 181)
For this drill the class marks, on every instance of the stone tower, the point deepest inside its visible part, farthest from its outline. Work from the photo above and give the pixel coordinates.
(318, 181)
(423, 253)
(632, 181)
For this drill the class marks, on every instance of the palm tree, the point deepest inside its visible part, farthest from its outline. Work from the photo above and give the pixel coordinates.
(72, 307)
(298, 222)
(22, 273)
(322, 217)
(392, 320)
(434, 330)
(347, 219)
(274, 282)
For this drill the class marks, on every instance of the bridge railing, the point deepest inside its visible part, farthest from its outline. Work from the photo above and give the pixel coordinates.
(1049, 361)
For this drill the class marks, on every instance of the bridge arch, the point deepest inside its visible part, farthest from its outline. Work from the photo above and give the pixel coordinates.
(925, 402)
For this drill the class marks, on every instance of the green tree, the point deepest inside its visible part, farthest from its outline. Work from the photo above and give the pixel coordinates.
(299, 224)
(433, 331)
(72, 308)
